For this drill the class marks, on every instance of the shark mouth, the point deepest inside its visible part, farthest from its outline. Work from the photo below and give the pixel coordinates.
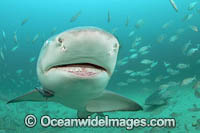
(80, 69)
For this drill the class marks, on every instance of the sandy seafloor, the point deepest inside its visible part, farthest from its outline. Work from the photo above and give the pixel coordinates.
(12, 115)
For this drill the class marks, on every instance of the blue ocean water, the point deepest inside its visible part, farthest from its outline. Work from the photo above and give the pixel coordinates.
(26, 24)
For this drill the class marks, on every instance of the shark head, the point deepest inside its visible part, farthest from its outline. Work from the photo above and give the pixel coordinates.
(74, 68)
(85, 54)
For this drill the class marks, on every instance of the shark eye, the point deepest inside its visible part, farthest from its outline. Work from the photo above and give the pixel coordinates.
(60, 40)
(116, 45)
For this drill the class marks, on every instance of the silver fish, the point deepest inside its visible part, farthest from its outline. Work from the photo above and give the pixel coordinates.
(157, 98)
(75, 17)
(15, 38)
(192, 5)
(174, 5)
(196, 85)
(35, 38)
(188, 81)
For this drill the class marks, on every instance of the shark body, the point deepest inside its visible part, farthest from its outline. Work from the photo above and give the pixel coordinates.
(74, 68)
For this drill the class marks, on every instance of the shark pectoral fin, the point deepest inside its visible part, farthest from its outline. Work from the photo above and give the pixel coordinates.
(110, 102)
(30, 96)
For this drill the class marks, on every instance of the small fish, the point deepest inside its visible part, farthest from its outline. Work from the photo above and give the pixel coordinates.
(131, 80)
(15, 38)
(144, 81)
(139, 23)
(144, 48)
(128, 71)
(2, 55)
(166, 64)
(35, 38)
(24, 21)
(172, 71)
(182, 66)
(197, 93)
(188, 81)
(133, 74)
(173, 38)
(186, 128)
(192, 51)
(180, 30)
(122, 84)
(196, 85)
(14, 48)
(4, 35)
(154, 64)
(53, 31)
(32, 59)
(75, 17)
(158, 98)
(158, 78)
(114, 30)
(147, 70)
(132, 50)
(108, 19)
(133, 56)
(194, 28)
(146, 61)
(137, 39)
(166, 25)
(186, 46)
(136, 42)
(174, 5)
(194, 109)
(173, 83)
(174, 114)
(164, 86)
(127, 21)
(187, 17)
(144, 52)
(144, 74)
(161, 38)
(123, 61)
(192, 5)
(19, 71)
(131, 33)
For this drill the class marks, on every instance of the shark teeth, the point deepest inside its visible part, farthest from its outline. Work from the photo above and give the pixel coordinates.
(80, 70)
(72, 69)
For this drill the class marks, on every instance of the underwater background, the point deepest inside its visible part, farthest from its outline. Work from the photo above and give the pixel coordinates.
(159, 52)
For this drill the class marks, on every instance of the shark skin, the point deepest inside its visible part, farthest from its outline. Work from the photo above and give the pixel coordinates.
(74, 68)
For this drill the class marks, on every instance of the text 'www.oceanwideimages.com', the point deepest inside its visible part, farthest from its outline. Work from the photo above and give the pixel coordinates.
(128, 123)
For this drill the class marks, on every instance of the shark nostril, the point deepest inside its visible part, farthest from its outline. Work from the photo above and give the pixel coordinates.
(63, 48)
(114, 49)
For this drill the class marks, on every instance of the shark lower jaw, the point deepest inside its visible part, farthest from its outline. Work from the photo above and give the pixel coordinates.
(84, 70)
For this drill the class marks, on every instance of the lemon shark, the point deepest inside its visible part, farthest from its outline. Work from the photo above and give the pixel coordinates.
(74, 68)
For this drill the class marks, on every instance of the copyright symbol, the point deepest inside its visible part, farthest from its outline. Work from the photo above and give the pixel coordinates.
(30, 121)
